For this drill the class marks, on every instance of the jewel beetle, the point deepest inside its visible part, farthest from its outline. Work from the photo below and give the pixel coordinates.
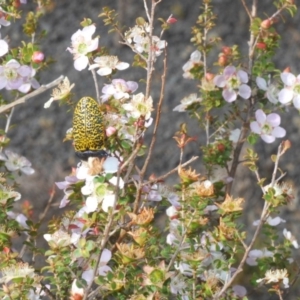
(89, 129)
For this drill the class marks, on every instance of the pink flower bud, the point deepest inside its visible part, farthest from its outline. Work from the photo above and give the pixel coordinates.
(222, 60)
(209, 76)
(37, 56)
(261, 45)
(110, 131)
(171, 20)
(287, 70)
(265, 24)
(226, 50)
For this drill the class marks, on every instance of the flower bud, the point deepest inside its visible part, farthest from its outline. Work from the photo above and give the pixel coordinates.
(222, 61)
(209, 76)
(287, 70)
(16, 3)
(265, 24)
(226, 50)
(171, 20)
(37, 57)
(286, 145)
(261, 45)
(221, 147)
(110, 131)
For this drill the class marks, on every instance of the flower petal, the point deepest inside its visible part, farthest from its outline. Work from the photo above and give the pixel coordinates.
(245, 91)
(288, 78)
(111, 165)
(243, 76)
(229, 71)
(273, 119)
(255, 127)
(122, 65)
(279, 132)
(260, 117)
(81, 63)
(104, 71)
(220, 81)
(285, 96)
(296, 102)
(229, 95)
(261, 83)
(268, 138)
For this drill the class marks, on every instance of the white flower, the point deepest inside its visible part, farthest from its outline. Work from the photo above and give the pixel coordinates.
(257, 254)
(194, 61)
(186, 102)
(118, 89)
(62, 91)
(139, 106)
(13, 75)
(142, 44)
(172, 212)
(14, 162)
(137, 30)
(271, 221)
(107, 64)
(291, 90)
(288, 235)
(267, 126)
(177, 284)
(233, 83)
(270, 89)
(7, 193)
(29, 81)
(174, 236)
(58, 239)
(276, 276)
(108, 201)
(82, 44)
(3, 47)
(103, 268)
(16, 271)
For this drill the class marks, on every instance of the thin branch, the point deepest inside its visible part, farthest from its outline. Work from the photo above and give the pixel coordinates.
(247, 9)
(8, 121)
(181, 242)
(263, 217)
(40, 90)
(158, 115)
(171, 172)
(153, 140)
(147, 10)
(96, 85)
(276, 164)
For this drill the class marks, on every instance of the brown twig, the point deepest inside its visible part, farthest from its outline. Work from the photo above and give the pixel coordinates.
(153, 140)
(157, 179)
(264, 215)
(38, 91)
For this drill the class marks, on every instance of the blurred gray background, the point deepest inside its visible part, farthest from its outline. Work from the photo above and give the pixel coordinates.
(39, 132)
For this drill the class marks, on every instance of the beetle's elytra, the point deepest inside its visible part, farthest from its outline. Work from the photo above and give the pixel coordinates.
(88, 129)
